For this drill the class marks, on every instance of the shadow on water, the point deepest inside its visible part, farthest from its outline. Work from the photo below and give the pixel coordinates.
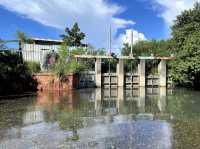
(152, 118)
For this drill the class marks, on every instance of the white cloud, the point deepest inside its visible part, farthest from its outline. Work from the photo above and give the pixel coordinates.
(136, 36)
(93, 16)
(172, 8)
(117, 43)
(126, 37)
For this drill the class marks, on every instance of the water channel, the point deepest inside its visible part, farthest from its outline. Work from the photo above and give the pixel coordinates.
(152, 118)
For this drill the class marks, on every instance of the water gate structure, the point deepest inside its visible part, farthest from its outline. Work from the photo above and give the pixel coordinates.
(122, 79)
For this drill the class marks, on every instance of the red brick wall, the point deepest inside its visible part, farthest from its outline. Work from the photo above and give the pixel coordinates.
(49, 82)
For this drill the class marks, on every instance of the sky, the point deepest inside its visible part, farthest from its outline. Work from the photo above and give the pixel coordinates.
(148, 19)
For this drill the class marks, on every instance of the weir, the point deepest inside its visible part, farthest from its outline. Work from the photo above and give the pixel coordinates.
(117, 99)
(120, 78)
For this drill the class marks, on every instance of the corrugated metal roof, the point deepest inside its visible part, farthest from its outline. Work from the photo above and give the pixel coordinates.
(46, 39)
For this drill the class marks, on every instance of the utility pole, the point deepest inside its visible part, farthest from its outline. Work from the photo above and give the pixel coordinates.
(131, 43)
(110, 53)
(110, 43)
(131, 54)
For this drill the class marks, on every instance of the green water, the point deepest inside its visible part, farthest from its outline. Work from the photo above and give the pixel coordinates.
(102, 119)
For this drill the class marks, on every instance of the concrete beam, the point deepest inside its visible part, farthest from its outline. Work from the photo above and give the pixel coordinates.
(120, 72)
(162, 70)
(98, 72)
(124, 57)
(142, 75)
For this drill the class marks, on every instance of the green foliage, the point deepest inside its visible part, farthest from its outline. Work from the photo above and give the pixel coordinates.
(34, 67)
(186, 46)
(73, 36)
(78, 51)
(15, 76)
(75, 67)
(146, 48)
(109, 65)
(21, 36)
(185, 24)
(60, 67)
(186, 67)
(66, 63)
(100, 52)
(2, 45)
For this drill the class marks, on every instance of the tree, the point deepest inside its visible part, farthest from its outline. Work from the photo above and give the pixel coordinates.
(2, 45)
(15, 77)
(73, 36)
(186, 46)
(21, 38)
(66, 63)
(146, 48)
(185, 24)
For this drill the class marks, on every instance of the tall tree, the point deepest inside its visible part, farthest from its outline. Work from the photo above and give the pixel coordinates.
(21, 38)
(2, 45)
(73, 36)
(146, 48)
(186, 45)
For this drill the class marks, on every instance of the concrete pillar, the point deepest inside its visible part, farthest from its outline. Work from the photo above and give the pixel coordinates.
(120, 99)
(120, 72)
(141, 70)
(141, 99)
(162, 70)
(98, 72)
(98, 98)
(162, 99)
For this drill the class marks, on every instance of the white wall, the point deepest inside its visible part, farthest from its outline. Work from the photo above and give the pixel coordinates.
(36, 52)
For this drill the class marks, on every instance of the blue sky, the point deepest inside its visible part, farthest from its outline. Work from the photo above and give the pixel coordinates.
(47, 19)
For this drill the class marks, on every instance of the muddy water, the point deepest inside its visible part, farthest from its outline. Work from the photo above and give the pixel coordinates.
(102, 119)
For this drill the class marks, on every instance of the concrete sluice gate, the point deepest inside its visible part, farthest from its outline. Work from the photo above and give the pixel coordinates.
(140, 72)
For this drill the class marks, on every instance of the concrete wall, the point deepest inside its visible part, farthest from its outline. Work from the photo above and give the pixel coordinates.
(121, 79)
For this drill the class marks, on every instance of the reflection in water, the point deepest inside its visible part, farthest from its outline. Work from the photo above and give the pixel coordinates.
(119, 101)
(152, 118)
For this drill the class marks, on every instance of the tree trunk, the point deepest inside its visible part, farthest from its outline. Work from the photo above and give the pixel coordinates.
(20, 51)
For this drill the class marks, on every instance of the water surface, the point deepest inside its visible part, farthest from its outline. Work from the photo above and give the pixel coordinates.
(153, 118)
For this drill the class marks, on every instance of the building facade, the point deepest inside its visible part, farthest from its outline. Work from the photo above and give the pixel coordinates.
(38, 48)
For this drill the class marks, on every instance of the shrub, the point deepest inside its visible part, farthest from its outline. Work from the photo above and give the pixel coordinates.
(34, 67)
(66, 63)
(75, 67)
(15, 76)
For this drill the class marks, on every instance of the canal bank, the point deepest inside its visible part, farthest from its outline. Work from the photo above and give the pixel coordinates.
(120, 78)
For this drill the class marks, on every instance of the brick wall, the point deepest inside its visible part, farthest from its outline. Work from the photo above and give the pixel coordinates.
(49, 82)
